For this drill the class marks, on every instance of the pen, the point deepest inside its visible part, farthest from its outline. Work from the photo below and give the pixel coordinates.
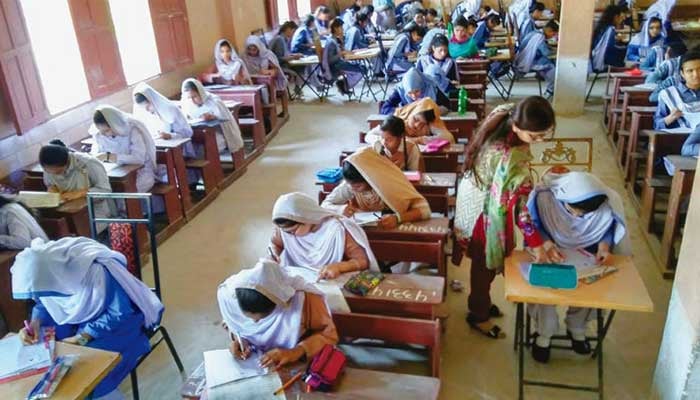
(289, 383)
(28, 327)
(376, 215)
(272, 254)
(240, 343)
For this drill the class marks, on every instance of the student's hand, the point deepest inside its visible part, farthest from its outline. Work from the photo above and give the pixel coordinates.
(330, 271)
(102, 157)
(26, 338)
(235, 349)
(296, 56)
(52, 189)
(388, 222)
(76, 339)
(350, 209)
(603, 253)
(165, 135)
(673, 116)
(553, 252)
(276, 358)
(540, 255)
(208, 117)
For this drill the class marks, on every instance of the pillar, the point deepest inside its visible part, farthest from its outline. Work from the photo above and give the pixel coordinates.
(575, 31)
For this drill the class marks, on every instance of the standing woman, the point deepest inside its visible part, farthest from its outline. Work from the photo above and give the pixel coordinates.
(122, 139)
(606, 51)
(493, 194)
(261, 61)
(230, 69)
(198, 103)
(18, 227)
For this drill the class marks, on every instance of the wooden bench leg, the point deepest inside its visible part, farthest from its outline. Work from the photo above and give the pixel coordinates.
(648, 205)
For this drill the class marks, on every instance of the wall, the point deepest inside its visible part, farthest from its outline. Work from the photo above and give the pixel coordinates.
(209, 20)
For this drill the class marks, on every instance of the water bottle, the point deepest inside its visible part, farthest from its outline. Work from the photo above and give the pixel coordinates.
(450, 28)
(462, 102)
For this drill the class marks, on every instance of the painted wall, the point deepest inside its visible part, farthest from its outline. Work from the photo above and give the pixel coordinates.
(209, 20)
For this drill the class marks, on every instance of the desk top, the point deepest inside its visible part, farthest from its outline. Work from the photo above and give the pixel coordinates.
(234, 88)
(363, 54)
(624, 290)
(437, 179)
(626, 75)
(642, 109)
(304, 61)
(171, 143)
(403, 288)
(654, 132)
(114, 171)
(453, 116)
(635, 89)
(682, 163)
(454, 148)
(428, 230)
(87, 372)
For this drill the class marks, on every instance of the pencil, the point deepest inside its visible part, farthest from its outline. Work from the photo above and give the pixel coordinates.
(289, 383)
(240, 342)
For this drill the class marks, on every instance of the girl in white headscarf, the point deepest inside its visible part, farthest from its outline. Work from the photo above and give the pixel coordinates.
(307, 235)
(280, 315)
(120, 138)
(261, 61)
(197, 103)
(230, 69)
(17, 226)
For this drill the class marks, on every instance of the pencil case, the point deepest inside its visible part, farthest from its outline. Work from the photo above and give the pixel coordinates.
(53, 377)
(361, 283)
(556, 276)
(436, 145)
(325, 368)
(330, 175)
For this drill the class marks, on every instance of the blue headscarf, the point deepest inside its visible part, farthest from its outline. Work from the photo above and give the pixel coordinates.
(414, 80)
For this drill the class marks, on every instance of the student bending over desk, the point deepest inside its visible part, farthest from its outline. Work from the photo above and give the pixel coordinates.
(423, 122)
(439, 65)
(18, 227)
(679, 105)
(306, 235)
(91, 303)
(373, 183)
(413, 86)
(270, 311)
(668, 72)
(198, 103)
(574, 211)
(606, 51)
(389, 140)
(303, 38)
(261, 61)
(406, 44)
(281, 47)
(355, 34)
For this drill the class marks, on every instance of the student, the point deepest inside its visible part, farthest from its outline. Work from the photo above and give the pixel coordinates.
(74, 174)
(261, 61)
(405, 46)
(668, 73)
(679, 105)
(493, 192)
(533, 55)
(432, 19)
(18, 227)
(355, 35)
(439, 55)
(122, 139)
(643, 44)
(483, 30)
(230, 69)
(323, 17)
(428, 40)
(389, 140)
(462, 43)
(466, 9)
(606, 51)
(197, 103)
(420, 18)
(406, 11)
(423, 122)
(83, 289)
(529, 23)
(282, 316)
(348, 16)
(307, 235)
(346, 74)
(413, 86)
(370, 28)
(573, 211)
(691, 146)
(280, 45)
(303, 38)
(373, 183)
(385, 15)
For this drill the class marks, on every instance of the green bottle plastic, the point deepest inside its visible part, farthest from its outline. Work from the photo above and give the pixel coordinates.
(449, 29)
(462, 102)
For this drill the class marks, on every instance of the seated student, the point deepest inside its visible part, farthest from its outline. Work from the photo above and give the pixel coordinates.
(384, 15)
(74, 174)
(346, 74)
(406, 10)
(413, 86)
(307, 235)
(423, 122)
(432, 19)
(373, 183)
(466, 9)
(420, 18)
(691, 146)
(405, 45)
(197, 103)
(355, 35)
(533, 55)
(348, 16)
(679, 105)
(84, 290)
(482, 34)
(323, 17)
(122, 139)
(643, 44)
(282, 316)
(230, 69)
(529, 23)
(428, 40)
(303, 38)
(280, 45)
(439, 56)
(18, 227)
(574, 211)
(606, 51)
(389, 140)
(668, 72)
(370, 28)
(462, 42)
(261, 61)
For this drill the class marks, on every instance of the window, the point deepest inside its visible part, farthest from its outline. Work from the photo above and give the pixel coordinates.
(286, 10)
(137, 42)
(303, 7)
(282, 11)
(57, 54)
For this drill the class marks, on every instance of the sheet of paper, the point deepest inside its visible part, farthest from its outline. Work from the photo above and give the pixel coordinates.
(580, 259)
(257, 388)
(220, 367)
(677, 130)
(331, 289)
(17, 358)
(365, 218)
(39, 199)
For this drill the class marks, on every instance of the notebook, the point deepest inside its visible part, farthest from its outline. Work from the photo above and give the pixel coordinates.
(365, 218)
(256, 388)
(39, 199)
(19, 360)
(220, 367)
(331, 289)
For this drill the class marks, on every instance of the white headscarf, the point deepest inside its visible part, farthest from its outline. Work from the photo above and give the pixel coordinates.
(68, 277)
(282, 328)
(265, 59)
(525, 57)
(166, 109)
(231, 69)
(324, 246)
(229, 127)
(122, 124)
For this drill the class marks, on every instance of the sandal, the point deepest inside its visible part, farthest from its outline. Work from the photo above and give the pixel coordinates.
(495, 312)
(494, 333)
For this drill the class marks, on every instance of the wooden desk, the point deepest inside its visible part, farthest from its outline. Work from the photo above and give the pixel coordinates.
(174, 150)
(642, 118)
(14, 311)
(462, 126)
(362, 54)
(75, 212)
(421, 231)
(204, 134)
(251, 97)
(92, 366)
(624, 290)
(681, 188)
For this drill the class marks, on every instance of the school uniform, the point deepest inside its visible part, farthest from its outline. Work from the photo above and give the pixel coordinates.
(355, 39)
(413, 80)
(397, 60)
(466, 9)
(384, 14)
(303, 41)
(265, 60)
(606, 52)
(18, 227)
(280, 45)
(691, 146)
(665, 75)
(528, 26)
(233, 70)
(427, 41)
(681, 98)
(481, 35)
(81, 286)
(334, 64)
(533, 56)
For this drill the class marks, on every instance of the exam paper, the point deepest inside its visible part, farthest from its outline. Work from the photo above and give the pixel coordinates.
(17, 358)
(220, 367)
(331, 289)
(39, 199)
(257, 388)
(365, 218)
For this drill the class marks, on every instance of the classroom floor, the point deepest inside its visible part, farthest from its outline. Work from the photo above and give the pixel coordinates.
(232, 232)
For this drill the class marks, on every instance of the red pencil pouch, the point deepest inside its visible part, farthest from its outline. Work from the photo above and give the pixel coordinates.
(325, 368)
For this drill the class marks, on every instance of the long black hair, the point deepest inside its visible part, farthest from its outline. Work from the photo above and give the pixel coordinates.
(607, 19)
(252, 301)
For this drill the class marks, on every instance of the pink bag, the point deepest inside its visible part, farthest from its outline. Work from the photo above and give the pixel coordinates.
(436, 145)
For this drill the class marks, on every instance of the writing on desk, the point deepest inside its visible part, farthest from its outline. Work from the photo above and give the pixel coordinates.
(408, 227)
(416, 295)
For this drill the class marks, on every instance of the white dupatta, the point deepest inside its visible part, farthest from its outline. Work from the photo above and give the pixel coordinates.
(598, 53)
(229, 70)
(527, 53)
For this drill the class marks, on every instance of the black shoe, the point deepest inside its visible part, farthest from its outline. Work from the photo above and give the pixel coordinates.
(579, 346)
(540, 354)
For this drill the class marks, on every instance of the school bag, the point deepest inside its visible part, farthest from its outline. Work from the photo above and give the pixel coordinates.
(325, 368)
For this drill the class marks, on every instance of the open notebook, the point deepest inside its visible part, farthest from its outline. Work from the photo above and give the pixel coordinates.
(39, 199)
(232, 379)
(18, 360)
